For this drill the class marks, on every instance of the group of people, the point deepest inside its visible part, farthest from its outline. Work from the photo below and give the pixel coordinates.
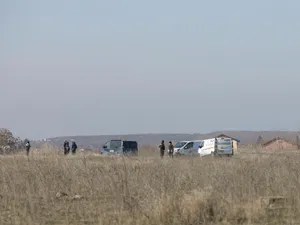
(67, 147)
(162, 149)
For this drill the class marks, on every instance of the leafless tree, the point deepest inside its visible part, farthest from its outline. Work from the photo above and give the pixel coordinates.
(9, 143)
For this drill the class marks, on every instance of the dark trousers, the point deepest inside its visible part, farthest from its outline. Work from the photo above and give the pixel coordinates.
(27, 151)
(66, 151)
(162, 153)
(171, 154)
(73, 150)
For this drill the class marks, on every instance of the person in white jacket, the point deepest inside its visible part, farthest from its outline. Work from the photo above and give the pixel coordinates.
(27, 146)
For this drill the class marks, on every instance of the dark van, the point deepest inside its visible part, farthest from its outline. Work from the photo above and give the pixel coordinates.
(120, 147)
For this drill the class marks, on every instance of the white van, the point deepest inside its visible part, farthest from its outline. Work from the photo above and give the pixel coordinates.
(207, 147)
(216, 146)
(187, 147)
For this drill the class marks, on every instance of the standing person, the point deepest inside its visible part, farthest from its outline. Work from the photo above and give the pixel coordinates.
(162, 148)
(171, 149)
(66, 147)
(27, 146)
(74, 147)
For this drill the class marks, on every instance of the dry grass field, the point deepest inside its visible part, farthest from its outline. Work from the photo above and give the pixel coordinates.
(49, 188)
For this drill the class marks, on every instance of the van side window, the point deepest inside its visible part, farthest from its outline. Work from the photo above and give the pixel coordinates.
(115, 144)
(189, 145)
(201, 144)
(130, 145)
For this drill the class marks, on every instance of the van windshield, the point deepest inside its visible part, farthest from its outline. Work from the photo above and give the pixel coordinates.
(180, 144)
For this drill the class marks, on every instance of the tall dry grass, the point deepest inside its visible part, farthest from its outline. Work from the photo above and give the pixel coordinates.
(49, 188)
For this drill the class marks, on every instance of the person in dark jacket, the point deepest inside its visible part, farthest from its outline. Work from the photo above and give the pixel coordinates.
(162, 148)
(27, 146)
(74, 147)
(66, 147)
(171, 149)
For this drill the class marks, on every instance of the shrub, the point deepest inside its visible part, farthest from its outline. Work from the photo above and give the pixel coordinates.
(9, 143)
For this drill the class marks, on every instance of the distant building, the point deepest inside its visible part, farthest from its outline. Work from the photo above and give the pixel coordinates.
(278, 143)
(235, 141)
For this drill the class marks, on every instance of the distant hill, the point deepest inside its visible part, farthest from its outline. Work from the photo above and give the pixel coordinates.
(245, 137)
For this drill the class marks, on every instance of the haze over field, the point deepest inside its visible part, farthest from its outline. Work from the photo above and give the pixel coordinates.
(118, 67)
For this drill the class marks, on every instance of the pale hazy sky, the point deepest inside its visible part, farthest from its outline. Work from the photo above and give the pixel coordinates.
(113, 67)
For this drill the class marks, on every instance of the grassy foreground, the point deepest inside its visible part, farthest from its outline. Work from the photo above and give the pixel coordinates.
(48, 188)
